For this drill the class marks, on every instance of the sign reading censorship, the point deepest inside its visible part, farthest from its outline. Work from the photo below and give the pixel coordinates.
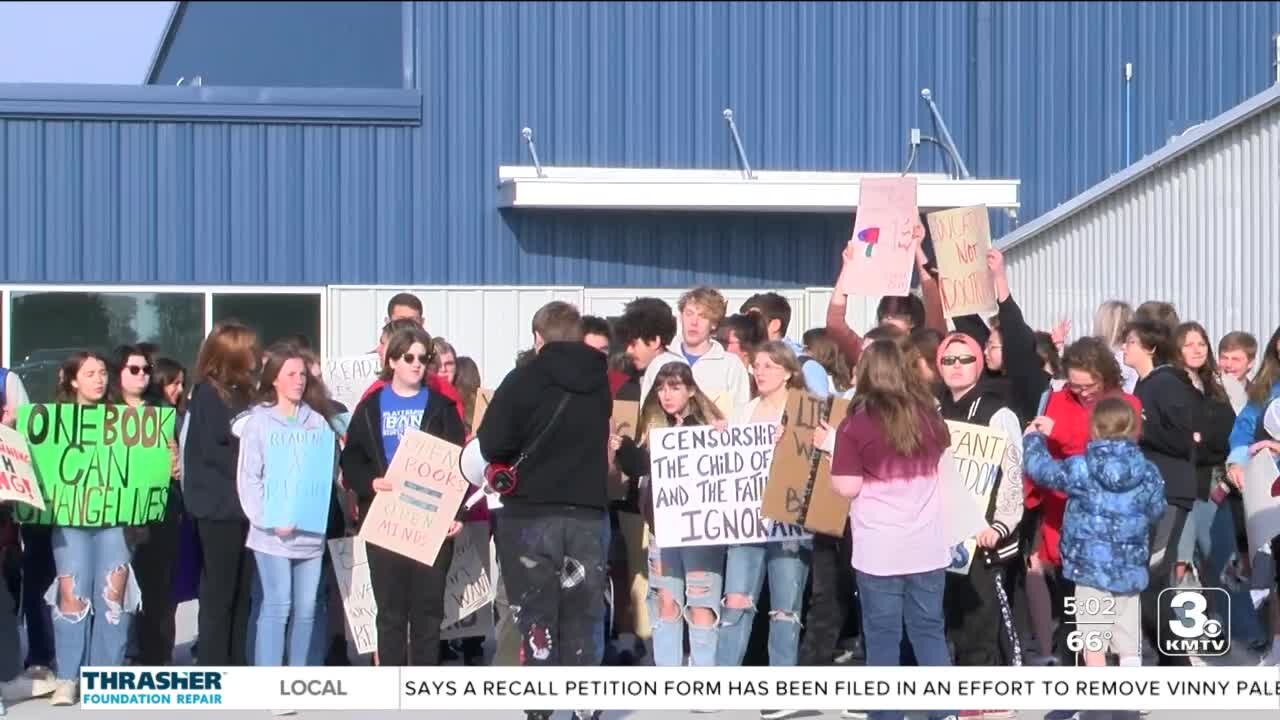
(98, 465)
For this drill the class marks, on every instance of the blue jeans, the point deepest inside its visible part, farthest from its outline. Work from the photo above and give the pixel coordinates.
(287, 588)
(1197, 534)
(889, 602)
(694, 578)
(787, 564)
(98, 634)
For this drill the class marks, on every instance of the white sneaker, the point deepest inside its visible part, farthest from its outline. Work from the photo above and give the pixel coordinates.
(23, 687)
(65, 693)
(854, 715)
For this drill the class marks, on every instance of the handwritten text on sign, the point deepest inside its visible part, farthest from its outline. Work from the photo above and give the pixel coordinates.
(961, 239)
(708, 486)
(17, 477)
(886, 232)
(347, 378)
(413, 519)
(298, 478)
(468, 586)
(98, 465)
(351, 568)
(979, 452)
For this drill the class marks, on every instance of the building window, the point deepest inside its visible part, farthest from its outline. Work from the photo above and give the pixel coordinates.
(46, 327)
(272, 315)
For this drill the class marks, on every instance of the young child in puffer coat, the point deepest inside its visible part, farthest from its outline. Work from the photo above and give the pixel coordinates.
(1114, 496)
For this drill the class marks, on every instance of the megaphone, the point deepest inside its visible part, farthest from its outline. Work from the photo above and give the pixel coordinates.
(490, 477)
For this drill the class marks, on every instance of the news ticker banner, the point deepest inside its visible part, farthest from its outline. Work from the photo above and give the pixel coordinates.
(681, 688)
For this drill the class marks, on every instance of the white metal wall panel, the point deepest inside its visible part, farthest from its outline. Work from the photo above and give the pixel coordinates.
(1202, 232)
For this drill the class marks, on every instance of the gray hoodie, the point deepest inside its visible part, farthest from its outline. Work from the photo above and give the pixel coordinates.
(252, 427)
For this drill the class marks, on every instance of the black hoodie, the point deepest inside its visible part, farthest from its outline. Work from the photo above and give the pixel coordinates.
(1024, 380)
(210, 456)
(1170, 404)
(570, 465)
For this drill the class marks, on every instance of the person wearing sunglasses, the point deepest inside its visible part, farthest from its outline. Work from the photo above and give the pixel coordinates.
(155, 546)
(409, 594)
(978, 603)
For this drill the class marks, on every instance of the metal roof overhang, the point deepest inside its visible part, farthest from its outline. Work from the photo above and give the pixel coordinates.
(652, 190)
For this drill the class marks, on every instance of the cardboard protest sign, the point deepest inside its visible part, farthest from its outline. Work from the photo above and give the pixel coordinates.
(98, 465)
(351, 567)
(469, 585)
(708, 486)
(961, 239)
(483, 399)
(1261, 500)
(979, 453)
(799, 490)
(17, 477)
(477, 624)
(298, 478)
(348, 377)
(428, 487)
(626, 414)
(886, 232)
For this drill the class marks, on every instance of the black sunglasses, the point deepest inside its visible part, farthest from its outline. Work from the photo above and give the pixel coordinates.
(962, 360)
(139, 369)
(425, 358)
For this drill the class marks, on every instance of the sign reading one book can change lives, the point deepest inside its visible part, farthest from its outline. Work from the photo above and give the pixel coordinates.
(98, 465)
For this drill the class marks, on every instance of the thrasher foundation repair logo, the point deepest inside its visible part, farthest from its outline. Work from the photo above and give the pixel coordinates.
(1187, 628)
(146, 687)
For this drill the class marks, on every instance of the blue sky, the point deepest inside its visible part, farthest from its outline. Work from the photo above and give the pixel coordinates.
(79, 42)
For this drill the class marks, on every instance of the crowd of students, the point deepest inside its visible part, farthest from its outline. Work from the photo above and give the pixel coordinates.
(1122, 476)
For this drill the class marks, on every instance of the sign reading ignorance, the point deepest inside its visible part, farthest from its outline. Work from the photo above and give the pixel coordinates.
(98, 465)
(708, 486)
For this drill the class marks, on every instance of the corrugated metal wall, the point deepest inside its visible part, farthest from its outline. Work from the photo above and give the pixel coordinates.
(1200, 232)
(1030, 90)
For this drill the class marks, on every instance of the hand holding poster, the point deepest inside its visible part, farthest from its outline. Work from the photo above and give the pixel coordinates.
(1261, 500)
(351, 568)
(708, 486)
(626, 413)
(98, 465)
(348, 377)
(886, 232)
(17, 477)
(414, 517)
(979, 452)
(961, 239)
(298, 478)
(799, 489)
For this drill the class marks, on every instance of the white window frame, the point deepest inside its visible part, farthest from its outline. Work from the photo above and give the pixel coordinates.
(208, 291)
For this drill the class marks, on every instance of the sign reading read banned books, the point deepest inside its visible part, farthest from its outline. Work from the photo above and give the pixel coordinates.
(708, 486)
(98, 465)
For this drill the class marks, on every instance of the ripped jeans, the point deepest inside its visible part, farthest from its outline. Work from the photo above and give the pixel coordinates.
(787, 565)
(96, 560)
(694, 578)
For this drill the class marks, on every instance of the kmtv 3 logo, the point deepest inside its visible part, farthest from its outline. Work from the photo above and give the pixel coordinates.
(1186, 629)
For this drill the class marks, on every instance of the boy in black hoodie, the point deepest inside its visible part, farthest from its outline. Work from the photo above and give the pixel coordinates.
(552, 535)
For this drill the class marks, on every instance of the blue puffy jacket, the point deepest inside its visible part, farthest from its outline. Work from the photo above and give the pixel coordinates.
(1114, 496)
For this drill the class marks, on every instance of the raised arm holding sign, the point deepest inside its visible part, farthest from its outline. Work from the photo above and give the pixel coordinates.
(886, 233)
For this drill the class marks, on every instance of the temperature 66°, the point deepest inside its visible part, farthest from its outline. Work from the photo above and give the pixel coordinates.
(1090, 640)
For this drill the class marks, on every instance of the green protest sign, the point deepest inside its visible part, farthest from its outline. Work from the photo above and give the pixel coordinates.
(98, 465)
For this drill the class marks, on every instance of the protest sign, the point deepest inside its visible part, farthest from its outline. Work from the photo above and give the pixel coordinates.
(483, 399)
(17, 477)
(979, 453)
(98, 465)
(799, 489)
(626, 414)
(961, 518)
(427, 488)
(477, 624)
(961, 239)
(348, 377)
(886, 232)
(1261, 500)
(468, 586)
(350, 559)
(708, 486)
(298, 478)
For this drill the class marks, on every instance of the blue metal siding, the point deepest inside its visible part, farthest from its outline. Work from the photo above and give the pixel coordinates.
(289, 185)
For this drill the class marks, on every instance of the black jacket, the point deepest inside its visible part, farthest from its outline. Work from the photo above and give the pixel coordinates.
(1024, 380)
(210, 457)
(1213, 420)
(364, 459)
(571, 465)
(1169, 406)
